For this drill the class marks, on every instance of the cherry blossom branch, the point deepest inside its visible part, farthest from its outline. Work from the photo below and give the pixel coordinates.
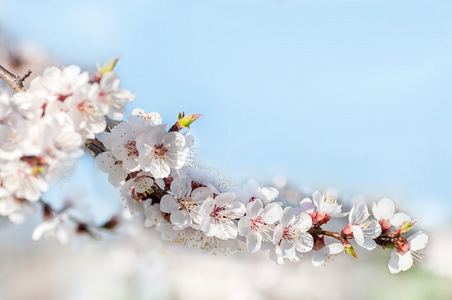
(14, 81)
(319, 231)
(95, 147)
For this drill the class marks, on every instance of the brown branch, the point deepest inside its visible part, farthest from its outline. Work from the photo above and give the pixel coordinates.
(14, 81)
(95, 147)
(319, 231)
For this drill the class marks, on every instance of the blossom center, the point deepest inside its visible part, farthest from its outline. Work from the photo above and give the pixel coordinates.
(131, 147)
(159, 151)
(290, 233)
(219, 213)
(187, 203)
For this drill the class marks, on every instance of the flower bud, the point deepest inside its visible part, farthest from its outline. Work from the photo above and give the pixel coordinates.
(185, 121)
(406, 226)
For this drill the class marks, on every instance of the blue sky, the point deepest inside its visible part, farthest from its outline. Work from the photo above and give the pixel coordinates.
(350, 94)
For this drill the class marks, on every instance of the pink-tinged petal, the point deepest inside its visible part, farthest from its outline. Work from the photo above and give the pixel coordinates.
(386, 208)
(418, 241)
(304, 222)
(399, 218)
(288, 216)
(393, 264)
(307, 206)
(319, 258)
(334, 248)
(287, 249)
(254, 208)
(271, 193)
(272, 213)
(244, 226)
(253, 242)
(405, 261)
(169, 204)
(180, 219)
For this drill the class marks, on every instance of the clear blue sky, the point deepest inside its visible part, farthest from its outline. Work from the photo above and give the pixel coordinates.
(351, 94)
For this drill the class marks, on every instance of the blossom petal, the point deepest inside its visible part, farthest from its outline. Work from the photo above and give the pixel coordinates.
(288, 217)
(394, 263)
(254, 208)
(169, 204)
(287, 249)
(405, 261)
(418, 241)
(368, 243)
(272, 213)
(306, 205)
(386, 208)
(319, 258)
(304, 222)
(304, 243)
(244, 226)
(334, 248)
(253, 242)
(181, 219)
(399, 218)
(271, 193)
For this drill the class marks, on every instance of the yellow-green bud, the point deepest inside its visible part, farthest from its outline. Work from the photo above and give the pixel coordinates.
(108, 67)
(185, 121)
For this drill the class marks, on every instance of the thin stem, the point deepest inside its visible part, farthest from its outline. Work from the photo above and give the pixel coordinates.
(14, 81)
(95, 147)
(319, 231)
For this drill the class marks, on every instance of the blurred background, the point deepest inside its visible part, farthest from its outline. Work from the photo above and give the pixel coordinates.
(349, 96)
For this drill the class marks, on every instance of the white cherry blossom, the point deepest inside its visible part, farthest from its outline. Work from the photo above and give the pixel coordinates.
(160, 151)
(185, 203)
(219, 214)
(363, 228)
(384, 212)
(403, 258)
(258, 223)
(324, 247)
(291, 234)
(252, 190)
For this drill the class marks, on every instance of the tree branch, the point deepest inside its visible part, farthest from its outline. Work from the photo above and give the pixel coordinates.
(318, 231)
(14, 81)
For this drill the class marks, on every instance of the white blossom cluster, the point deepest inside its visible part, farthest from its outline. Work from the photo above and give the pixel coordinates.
(43, 130)
(192, 206)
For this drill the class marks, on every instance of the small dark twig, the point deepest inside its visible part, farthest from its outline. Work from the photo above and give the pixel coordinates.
(14, 81)
(26, 75)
